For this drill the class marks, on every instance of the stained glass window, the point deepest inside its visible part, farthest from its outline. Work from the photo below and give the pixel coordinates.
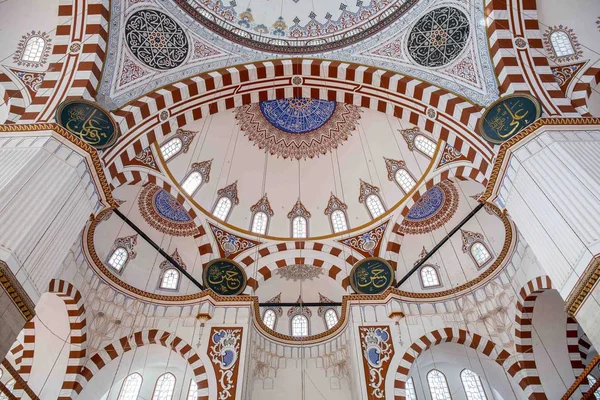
(192, 182)
(299, 325)
(375, 206)
(472, 385)
(171, 148)
(410, 390)
(34, 48)
(429, 276)
(425, 145)
(331, 318)
(404, 180)
(338, 221)
(118, 258)
(480, 253)
(438, 386)
(561, 43)
(165, 385)
(259, 223)
(222, 208)
(170, 279)
(193, 392)
(269, 319)
(131, 387)
(299, 227)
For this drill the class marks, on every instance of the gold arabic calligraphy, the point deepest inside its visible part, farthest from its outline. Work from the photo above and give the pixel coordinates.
(89, 123)
(372, 277)
(516, 113)
(224, 277)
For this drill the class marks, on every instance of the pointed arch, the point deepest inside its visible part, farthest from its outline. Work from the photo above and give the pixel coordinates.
(138, 339)
(473, 340)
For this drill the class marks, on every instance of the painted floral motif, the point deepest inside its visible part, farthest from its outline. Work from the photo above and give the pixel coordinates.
(164, 213)
(223, 351)
(231, 245)
(433, 209)
(298, 128)
(31, 80)
(299, 272)
(203, 51)
(131, 71)
(175, 255)
(377, 351)
(449, 155)
(468, 238)
(576, 51)
(145, 158)
(299, 309)
(564, 74)
(367, 243)
(465, 69)
(19, 54)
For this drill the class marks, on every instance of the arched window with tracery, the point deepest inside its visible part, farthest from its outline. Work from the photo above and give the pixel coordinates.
(561, 44)
(336, 211)
(299, 319)
(193, 391)
(170, 277)
(438, 385)
(331, 318)
(122, 252)
(228, 197)
(261, 215)
(473, 244)
(269, 318)
(33, 49)
(398, 172)
(196, 177)
(369, 196)
(165, 385)
(131, 387)
(415, 139)
(299, 326)
(472, 385)
(430, 277)
(411, 394)
(180, 143)
(299, 221)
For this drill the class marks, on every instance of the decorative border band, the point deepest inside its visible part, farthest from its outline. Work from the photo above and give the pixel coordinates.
(15, 291)
(586, 282)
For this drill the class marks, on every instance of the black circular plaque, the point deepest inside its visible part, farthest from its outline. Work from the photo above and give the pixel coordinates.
(371, 276)
(225, 277)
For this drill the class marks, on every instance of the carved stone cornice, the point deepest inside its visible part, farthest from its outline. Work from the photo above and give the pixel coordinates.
(583, 287)
(15, 292)
(91, 155)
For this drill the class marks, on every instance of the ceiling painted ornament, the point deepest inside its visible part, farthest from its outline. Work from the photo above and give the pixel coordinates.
(433, 209)
(298, 128)
(156, 39)
(438, 37)
(299, 272)
(164, 213)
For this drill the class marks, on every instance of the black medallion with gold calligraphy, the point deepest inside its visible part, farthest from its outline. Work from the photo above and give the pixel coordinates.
(225, 277)
(89, 122)
(508, 116)
(371, 276)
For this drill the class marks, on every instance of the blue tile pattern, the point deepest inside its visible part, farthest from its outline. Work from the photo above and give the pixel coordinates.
(168, 207)
(297, 115)
(427, 205)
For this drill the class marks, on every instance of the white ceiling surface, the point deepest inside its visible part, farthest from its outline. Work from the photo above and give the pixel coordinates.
(236, 158)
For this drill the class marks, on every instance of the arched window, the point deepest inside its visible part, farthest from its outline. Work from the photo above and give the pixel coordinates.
(192, 182)
(561, 44)
(299, 227)
(222, 208)
(472, 385)
(193, 391)
(299, 325)
(171, 148)
(438, 386)
(269, 318)
(410, 390)
(591, 381)
(404, 180)
(131, 387)
(338, 221)
(331, 318)
(165, 385)
(480, 253)
(170, 279)
(429, 277)
(374, 205)
(259, 223)
(425, 145)
(118, 259)
(34, 49)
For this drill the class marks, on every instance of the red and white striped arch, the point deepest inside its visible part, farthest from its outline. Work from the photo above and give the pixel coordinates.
(523, 69)
(138, 339)
(385, 91)
(582, 90)
(15, 96)
(452, 335)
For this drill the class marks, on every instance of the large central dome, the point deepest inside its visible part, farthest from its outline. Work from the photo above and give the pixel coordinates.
(296, 26)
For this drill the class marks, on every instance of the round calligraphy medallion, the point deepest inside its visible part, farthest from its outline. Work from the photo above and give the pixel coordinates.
(225, 277)
(508, 116)
(371, 276)
(89, 122)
